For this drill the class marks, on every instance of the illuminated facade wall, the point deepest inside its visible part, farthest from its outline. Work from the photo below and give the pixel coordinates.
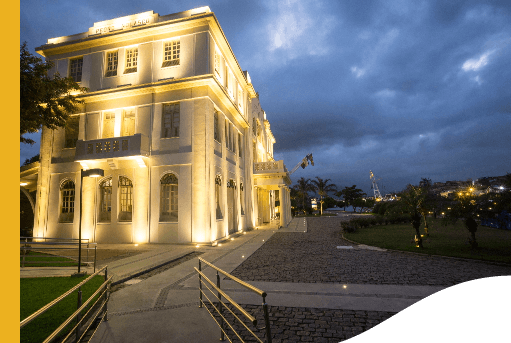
(169, 117)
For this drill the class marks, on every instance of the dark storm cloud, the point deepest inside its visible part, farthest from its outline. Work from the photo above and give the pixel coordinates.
(407, 89)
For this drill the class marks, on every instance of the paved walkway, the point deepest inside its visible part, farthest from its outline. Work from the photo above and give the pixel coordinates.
(317, 291)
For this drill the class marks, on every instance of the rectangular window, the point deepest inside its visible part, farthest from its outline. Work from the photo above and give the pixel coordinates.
(71, 131)
(217, 128)
(131, 60)
(170, 120)
(108, 124)
(226, 133)
(111, 63)
(217, 63)
(75, 69)
(240, 98)
(239, 145)
(128, 122)
(171, 53)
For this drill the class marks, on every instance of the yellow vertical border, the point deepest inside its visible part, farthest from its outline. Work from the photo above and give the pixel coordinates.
(10, 171)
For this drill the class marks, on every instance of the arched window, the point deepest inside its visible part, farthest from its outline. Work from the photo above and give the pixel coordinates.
(168, 198)
(105, 201)
(67, 197)
(125, 199)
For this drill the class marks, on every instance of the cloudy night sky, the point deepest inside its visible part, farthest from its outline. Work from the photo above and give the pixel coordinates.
(407, 89)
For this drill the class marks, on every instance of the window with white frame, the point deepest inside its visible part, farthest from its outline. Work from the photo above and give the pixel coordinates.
(218, 187)
(128, 122)
(226, 133)
(240, 145)
(170, 120)
(217, 63)
(131, 60)
(71, 132)
(240, 98)
(169, 198)
(217, 128)
(75, 68)
(171, 53)
(112, 61)
(105, 201)
(125, 199)
(67, 199)
(242, 198)
(108, 124)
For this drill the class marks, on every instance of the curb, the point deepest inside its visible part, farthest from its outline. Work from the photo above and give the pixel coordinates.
(150, 269)
(433, 255)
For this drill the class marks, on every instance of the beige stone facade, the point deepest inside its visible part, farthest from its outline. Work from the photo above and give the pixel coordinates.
(175, 124)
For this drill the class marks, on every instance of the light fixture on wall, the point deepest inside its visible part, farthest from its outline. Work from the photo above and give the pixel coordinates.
(96, 172)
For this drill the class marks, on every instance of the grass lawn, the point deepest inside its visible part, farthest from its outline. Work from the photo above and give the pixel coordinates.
(32, 256)
(38, 292)
(450, 240)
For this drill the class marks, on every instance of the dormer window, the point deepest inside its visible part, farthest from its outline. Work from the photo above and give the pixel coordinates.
(112, 60)
(171, 53)
(131, 60)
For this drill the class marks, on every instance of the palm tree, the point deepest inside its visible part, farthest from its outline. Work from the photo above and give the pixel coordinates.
(412, 200)
(322, 188)
(303, 187)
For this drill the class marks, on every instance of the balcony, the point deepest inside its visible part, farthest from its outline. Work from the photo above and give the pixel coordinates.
(272, 173)
(270, 167)
(97, 149)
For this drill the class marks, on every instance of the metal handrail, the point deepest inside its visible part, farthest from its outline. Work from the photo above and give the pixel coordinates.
(104, 295)
(241, 309)
(56, 301)
(219, 304)
(76, 313)
(56, 246)
(241, 282)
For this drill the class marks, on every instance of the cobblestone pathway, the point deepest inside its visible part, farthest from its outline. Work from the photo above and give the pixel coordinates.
(301, 324)
(313, 257)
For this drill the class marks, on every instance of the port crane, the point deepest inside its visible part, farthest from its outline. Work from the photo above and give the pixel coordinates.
(303, 163)
(377, 195)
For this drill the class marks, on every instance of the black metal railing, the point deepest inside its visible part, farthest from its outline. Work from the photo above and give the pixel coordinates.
(97, 309)
(57, 247)
(222, 310)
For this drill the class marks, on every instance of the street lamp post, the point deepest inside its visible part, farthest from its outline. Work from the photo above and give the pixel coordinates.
(85, 173)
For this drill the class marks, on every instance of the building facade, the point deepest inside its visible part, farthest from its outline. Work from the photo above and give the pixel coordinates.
(175, 124)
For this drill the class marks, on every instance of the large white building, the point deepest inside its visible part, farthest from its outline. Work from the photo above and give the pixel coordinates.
(175, 124)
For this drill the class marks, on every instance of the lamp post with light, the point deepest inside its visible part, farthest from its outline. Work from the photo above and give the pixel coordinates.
(97, 172)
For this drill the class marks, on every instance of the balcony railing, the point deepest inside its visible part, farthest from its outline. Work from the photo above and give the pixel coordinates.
(270, 167)
(136, 145)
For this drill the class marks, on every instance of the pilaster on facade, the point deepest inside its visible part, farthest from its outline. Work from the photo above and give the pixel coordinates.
(169, 117)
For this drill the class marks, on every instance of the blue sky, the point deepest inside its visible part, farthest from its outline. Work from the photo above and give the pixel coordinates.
(405, 89)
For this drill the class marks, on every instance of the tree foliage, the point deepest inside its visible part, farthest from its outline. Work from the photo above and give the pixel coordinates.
(31, 160)
(350, 194)
(413, 200)
(44, 100)
(466, 207)
(303, 187)
(322, 187)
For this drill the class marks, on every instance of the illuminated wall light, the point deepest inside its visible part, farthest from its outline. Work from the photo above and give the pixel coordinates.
(23, 183)
(344, 286)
